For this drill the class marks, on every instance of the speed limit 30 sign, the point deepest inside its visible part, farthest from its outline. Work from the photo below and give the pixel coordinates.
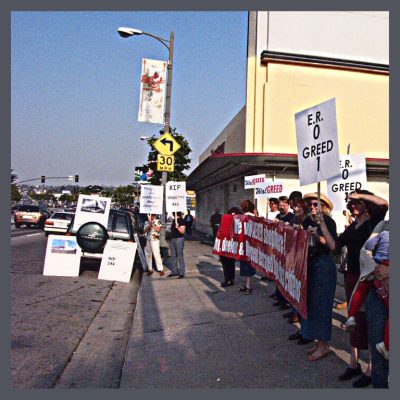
(165, 163)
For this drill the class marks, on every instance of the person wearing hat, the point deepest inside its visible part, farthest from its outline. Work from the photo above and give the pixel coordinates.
(367, 210)
(321, 275)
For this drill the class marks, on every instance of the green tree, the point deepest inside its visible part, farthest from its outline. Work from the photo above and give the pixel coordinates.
(124, 196)
(182, 159)
(15, 194)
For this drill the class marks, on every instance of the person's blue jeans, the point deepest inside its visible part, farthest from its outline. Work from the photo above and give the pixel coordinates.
(376, 316)
(178, 263)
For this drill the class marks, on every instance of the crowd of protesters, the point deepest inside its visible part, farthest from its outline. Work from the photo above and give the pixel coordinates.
(366, 274)
(365, 238)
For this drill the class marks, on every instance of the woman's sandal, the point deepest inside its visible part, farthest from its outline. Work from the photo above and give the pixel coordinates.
(318, 355)
(248, 291)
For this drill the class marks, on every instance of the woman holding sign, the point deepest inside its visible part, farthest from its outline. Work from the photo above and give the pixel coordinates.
(321, 275)
(177, 242)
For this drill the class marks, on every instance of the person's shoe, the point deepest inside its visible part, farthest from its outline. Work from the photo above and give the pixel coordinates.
(265, 278)
(303, 341)
(231, 283)
(341, 306)
(272, 296)
(248, 291)
(161, 273)
(350, 325)
(171, 275)
(284, 306)
(224, 284)
(295, 336)
(288, 314)
(181, 276)
(362, 381)
(149, 272)
(382, 350)
(350, 373)
(277, 304)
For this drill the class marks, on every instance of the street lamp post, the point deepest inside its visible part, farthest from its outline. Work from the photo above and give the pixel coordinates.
(128, 32)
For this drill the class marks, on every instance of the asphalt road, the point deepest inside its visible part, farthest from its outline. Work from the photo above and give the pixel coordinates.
(56, 321)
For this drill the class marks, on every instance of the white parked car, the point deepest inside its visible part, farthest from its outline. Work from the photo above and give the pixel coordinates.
(58, 223)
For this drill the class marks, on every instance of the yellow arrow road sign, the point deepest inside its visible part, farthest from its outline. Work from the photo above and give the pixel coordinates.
(165, 163)
(166, 144)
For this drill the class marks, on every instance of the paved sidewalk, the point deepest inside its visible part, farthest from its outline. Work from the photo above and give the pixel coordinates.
(191, 333)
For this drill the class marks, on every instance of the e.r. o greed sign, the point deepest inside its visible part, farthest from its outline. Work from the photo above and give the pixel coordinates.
(317, 142)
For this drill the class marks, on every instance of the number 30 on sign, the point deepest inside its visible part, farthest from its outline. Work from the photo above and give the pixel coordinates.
(165, 163)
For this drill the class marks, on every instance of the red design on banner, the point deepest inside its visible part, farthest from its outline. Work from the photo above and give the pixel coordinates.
(276, 250)
(152, 82)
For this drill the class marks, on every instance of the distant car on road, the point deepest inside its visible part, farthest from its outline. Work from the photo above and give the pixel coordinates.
(31, 215)
(58, 223)
(92, 236)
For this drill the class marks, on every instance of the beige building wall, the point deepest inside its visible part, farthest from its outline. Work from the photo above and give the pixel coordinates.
(232, 137)
(277, 90)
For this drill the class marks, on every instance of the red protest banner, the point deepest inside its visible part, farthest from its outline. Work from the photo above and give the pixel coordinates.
(276, 250)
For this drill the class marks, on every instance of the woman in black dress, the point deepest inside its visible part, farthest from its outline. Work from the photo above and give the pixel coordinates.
(321, 275)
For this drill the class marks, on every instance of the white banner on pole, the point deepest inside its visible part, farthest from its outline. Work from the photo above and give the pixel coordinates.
(92, 209)
(63, 256)
(117, 261)
(151, 199)
(152, 91)
(352, 176)
(175, 194)
(317, 143)
(268, 189)
(250, 182)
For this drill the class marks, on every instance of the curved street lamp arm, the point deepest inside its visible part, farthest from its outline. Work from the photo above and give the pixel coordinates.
(161, 40)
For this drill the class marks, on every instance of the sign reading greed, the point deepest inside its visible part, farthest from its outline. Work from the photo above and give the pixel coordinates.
(352, 176)
(268, 189)
(317, 143)
(175, 194)
(250, 182)
(275, 250)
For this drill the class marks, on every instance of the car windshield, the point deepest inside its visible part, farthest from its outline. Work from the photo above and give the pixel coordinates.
(62, 216)
(29, 208)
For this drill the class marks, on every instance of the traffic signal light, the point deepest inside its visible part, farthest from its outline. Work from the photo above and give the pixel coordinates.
(43, 179)
(76, 178)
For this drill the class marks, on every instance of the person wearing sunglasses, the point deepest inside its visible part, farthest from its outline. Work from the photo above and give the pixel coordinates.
(367, 210)
(321, 275)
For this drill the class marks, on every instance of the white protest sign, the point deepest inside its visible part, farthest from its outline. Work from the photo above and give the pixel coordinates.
(63, 256)
(317, 143)
(175, 196)
(151, 199)
(250, 182)
(352, 176)
(268, 189)
(117, 261)
(92, 209)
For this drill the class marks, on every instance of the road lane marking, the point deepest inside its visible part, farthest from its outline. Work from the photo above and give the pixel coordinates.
(34, 234)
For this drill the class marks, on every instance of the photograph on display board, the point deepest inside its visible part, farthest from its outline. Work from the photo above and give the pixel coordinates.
(94, 206)
(63, 246)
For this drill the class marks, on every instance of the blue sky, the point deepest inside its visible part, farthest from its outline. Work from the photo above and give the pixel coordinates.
(75, 88)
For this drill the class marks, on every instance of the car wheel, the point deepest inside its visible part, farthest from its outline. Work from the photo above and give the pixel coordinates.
(28, 225)
(17, 225)
(46, 234)
(92, 237)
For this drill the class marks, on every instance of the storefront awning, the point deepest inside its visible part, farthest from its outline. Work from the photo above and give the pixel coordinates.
(220, 168)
